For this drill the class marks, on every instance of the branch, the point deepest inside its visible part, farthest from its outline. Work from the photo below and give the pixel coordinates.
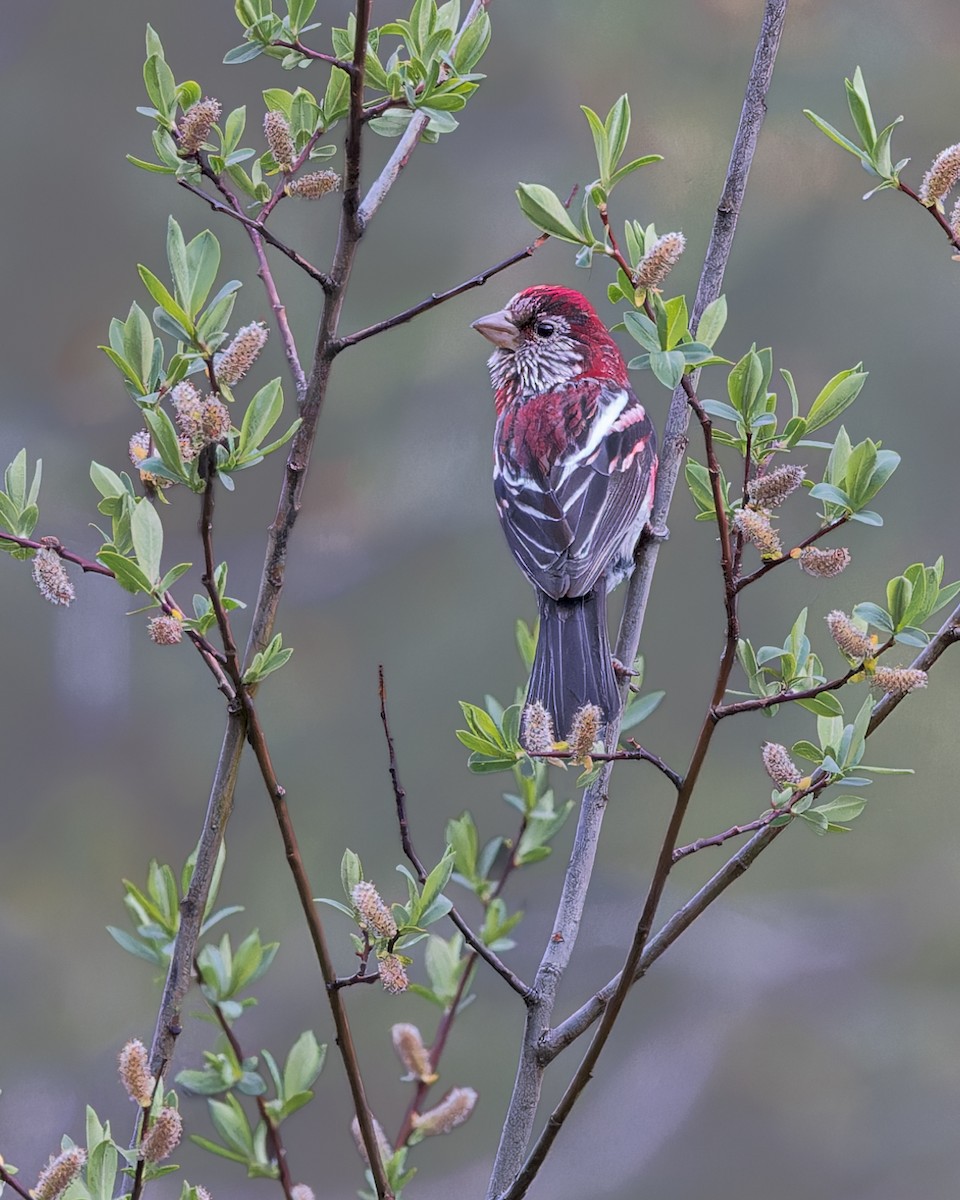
(769, 565)
(12, 1181)
(569, 1030)
(952, 236)
(511, 1176)
(438, 298)
(400, 800)
(638, 754)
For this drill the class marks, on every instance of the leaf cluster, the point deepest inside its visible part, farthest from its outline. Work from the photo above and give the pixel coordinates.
(18, 503)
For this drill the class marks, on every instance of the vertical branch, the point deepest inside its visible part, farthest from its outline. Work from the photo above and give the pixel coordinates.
(511, 1177)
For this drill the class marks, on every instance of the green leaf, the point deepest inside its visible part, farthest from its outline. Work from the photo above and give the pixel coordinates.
(899, 595)
(129, 575)
(165, 438)
(874, 615)
(859, 105)
(826, 705)
(668, 367)
(639, 708)
(304, 1063)
(161, 86)
(835, 396)
(351, 872)
(712, 321)
(629, 168)
(146, 529)
(243, 53)
(642, 329)
(262, 414)
(472, 43)
(833, 495)
(835, 136)
(101, 1173)
(461, 835)
(177, 260)
(160, 294)
(543, 208)
(202, 263)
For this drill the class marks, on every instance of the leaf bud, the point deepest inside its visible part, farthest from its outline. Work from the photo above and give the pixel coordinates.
(770, 491)
(50, 576)
(241, 354)
(825, 563)
(163, 1136)
(452, 1111)
(135, 1072)
(941, 177)
(659, 260)
(195, 124)
(393, 974)
(276, 129)
(898, 681)
(374, 914)
(538, 736)
(314, 186)
(756, 528)
(59, 1173)
(411, 1051)
(779, 765)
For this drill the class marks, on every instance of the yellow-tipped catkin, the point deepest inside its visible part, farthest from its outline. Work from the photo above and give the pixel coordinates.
(215, 420)
(135, 1072)
(301, 1191)
(374, 914)
(756, 528)
(779, 765)
(942, 176)
(314, 186)
(852, 640)
(59, 1173)
(770, 491)
(898, 681)
(452, 1111)
(163, 1136)
(141, 447)
(538, 735)
(585, 730)
(276, 129)
(195, 124)
(659, 260)
(411, 1051)
(393, 974)
(188, 410)
(241, 354)
(383, 1145)
(165, 630)
(825, 563)
(51, 578)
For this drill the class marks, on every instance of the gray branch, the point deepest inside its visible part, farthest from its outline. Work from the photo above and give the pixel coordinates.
(506, 1177)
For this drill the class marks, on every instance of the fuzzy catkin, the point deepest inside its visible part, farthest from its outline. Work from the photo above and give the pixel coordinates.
(942, 176)
(770, 491)
(538, 735)
(51, 578)
(196, 123)
(779, 765)
(851, 640)
(135, 1072)
(59, 1173)
(756, 528)
(899, 681)
(374, 914)
(408, 1043)
(824, 563)
(659, 260)
(452, 1111)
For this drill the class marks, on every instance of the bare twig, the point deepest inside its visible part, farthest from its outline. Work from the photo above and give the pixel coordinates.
(511, 1175)
(400, 800)
(13, 1182)
(952, 236)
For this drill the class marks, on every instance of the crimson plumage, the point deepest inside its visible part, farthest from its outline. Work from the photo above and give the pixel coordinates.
(575, 464)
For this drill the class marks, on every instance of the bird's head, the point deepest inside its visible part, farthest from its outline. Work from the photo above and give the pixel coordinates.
(545, 337)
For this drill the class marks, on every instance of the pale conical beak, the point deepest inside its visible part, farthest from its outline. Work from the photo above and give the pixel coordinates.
(500, 329)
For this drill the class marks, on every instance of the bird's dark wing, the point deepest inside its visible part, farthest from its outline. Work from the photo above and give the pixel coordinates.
(573, 480)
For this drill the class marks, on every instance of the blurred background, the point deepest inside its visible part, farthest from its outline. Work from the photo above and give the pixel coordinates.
(804, 1037)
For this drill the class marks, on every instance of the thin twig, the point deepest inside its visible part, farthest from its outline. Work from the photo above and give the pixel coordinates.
(768, 566)
(400, 801)
(438, 298)
(511, 1175)
(719, 838)
(638, 754)
(952, 236)
(12, 1181)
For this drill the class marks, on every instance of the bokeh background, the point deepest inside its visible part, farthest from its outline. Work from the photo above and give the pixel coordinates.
(804, 1037)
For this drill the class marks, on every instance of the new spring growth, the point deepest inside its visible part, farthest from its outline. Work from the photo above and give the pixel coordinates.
(59, 1173)
(825, 563)
(538, 735)
(756, 528)
(386, 1150)
(898, 681)
(163, 1136)
(374, 914)
(276, 129)
(393, 974)
(165, 630)
(851, 640)
(659, 260)
(314, 186)
(942, 177)
(584, 733)
(241, 354)
(779, 765)
(50, 576)
(770, 491)
(135, 1073)
(196, 123)
(413, 1053)
(452, 1111)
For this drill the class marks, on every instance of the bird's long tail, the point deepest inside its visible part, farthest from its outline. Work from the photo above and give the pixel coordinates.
(572, 665)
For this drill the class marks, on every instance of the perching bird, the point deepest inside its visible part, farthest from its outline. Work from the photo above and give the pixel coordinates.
(575, 462)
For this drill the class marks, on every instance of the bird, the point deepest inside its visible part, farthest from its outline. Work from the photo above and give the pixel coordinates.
(575, 466)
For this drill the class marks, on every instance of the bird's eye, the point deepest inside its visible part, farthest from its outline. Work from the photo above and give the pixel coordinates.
(545, 329)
